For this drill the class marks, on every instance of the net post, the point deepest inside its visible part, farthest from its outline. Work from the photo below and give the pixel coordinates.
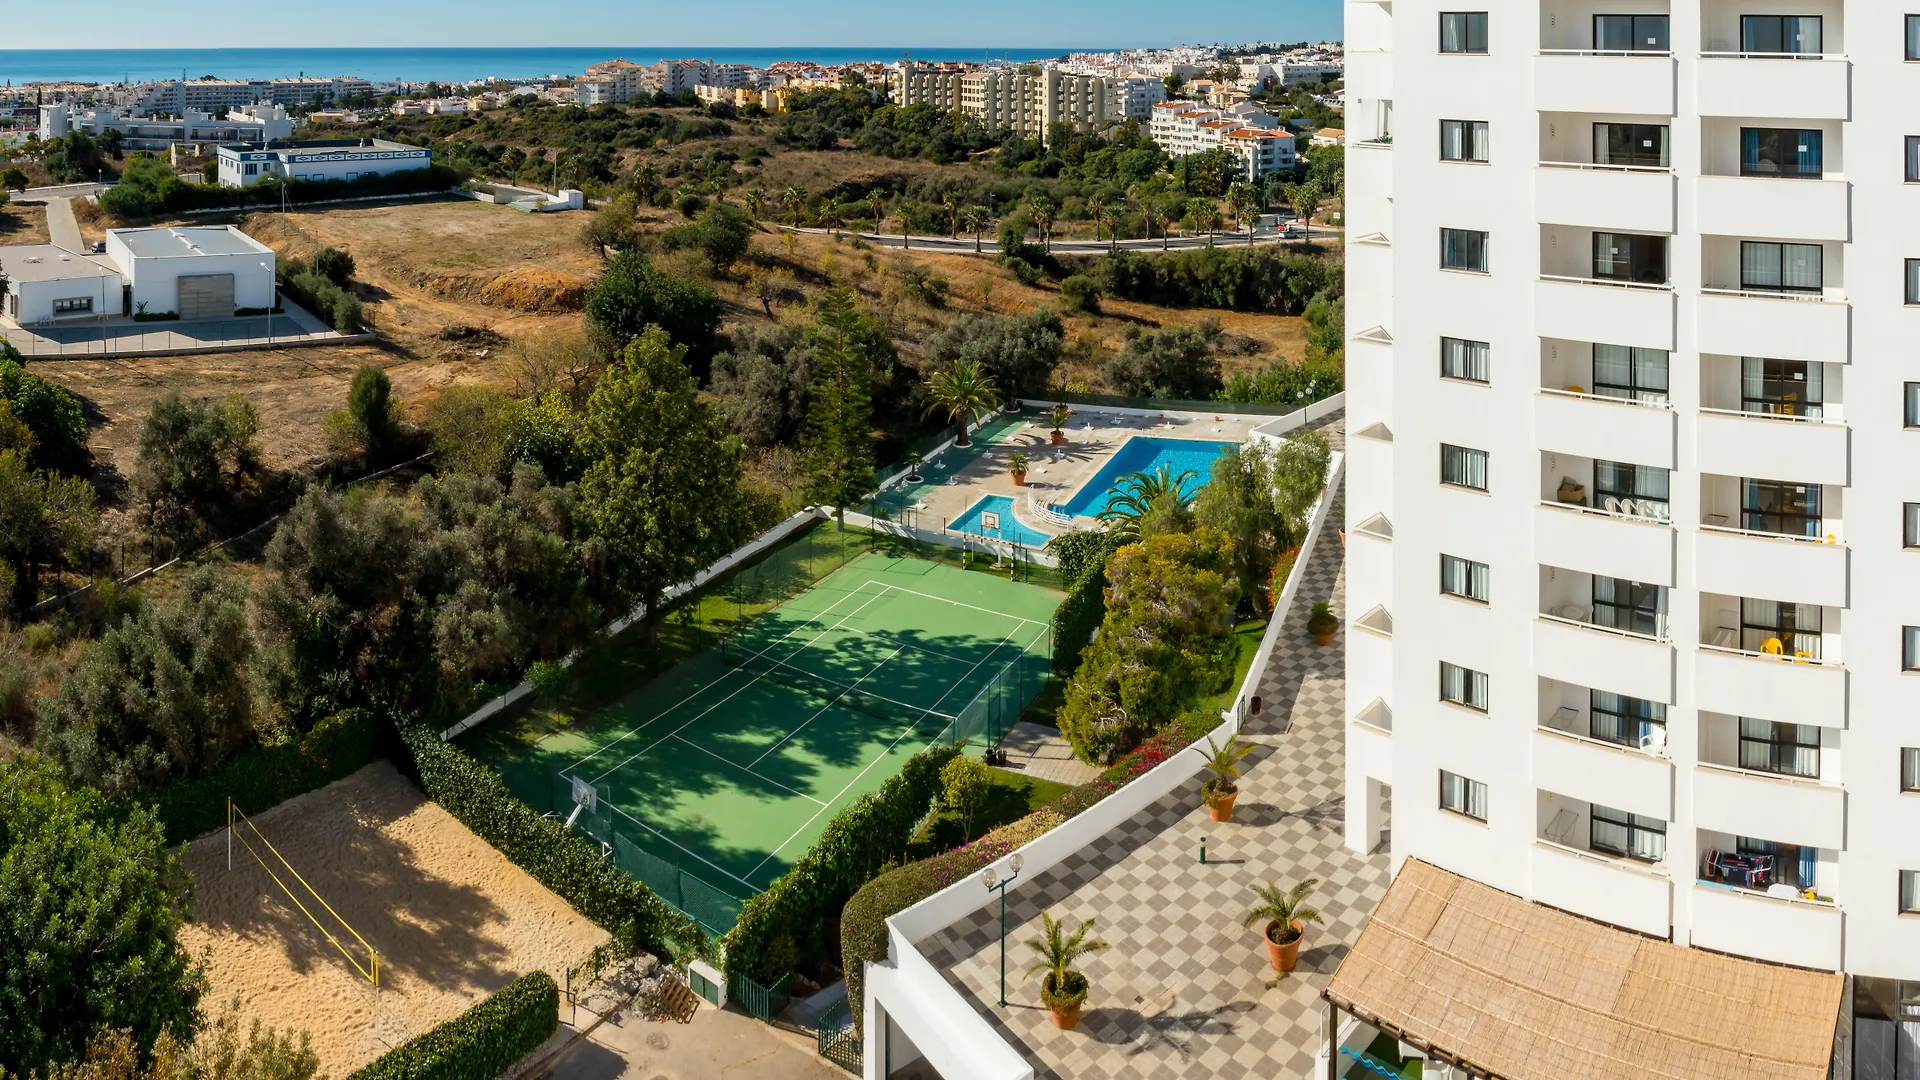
(229, 834)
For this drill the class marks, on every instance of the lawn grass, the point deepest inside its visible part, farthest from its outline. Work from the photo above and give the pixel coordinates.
(1246, 647)
(1012, 797)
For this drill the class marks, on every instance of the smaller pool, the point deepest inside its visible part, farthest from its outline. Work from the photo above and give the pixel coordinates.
(1144, 453)
(1008, 527)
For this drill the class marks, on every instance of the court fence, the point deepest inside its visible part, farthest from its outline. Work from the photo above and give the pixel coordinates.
(761, 1002)
(839, 1038)
(714, 908)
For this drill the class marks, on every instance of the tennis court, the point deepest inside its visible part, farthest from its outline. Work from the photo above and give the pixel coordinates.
(710, 781)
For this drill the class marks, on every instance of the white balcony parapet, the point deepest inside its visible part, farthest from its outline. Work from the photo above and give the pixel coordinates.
(1784, 207)
(1592, 81)
(1376, 334)
(1608, 428)
(1808, 449)
(1377, 527)
(1598, 309)
(1784, 85)
(1790, 326)
(1611, 889)
(1612, 543)
(1786, 930)
(1571, 650)
(1634, 198)
(1376, 716)
(1749, 802)
(1797, 690)
(1595, 770)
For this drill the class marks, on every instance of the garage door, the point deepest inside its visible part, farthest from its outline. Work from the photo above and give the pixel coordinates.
(206, 296)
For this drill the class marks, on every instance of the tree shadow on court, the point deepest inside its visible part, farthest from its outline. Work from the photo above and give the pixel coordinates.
(425, 926)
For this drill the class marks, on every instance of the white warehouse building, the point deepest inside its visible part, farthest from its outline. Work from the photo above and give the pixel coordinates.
(1633, 595)
(47, 284)
(245, 166)
(196, 272)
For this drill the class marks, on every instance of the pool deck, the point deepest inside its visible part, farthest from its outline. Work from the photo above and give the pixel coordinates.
(1092, 438)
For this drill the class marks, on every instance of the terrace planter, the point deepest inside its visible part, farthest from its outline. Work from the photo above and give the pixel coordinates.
(1064, 1007)
(1019, 478)
(1059, 437)
(1285, 954)
(1219, 804)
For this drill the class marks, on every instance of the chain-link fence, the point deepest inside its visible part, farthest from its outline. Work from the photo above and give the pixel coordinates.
(714, 908)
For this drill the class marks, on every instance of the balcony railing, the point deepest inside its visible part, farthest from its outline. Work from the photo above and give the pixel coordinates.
(1734, 650)
(1606, 399)
(1651, 745)
(1771, 56)
(1602, 52)
(1665, 286)
(1762, 894)
(1632, 635)
(1800, 418)
(1605, 858)
(1828, 540)
(1762, 774)
(1588, 166)
(1805, 296)
(1663, 517)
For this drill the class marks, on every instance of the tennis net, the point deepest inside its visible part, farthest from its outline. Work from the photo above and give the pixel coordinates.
(738, 655)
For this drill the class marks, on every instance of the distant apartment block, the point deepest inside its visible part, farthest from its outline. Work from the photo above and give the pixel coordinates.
(218, 95)
(1244, 131)
(242, 124)
(1027, 104)
(243, 166)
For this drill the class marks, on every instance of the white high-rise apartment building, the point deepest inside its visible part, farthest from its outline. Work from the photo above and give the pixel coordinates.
(1633, 504)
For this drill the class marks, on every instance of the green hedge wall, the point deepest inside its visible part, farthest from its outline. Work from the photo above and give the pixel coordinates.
(787, 925)
(546, 848)
(482, 1042)
(1077, 617)
(260, 777)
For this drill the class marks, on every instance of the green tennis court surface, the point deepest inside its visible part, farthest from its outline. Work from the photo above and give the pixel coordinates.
(726, 768)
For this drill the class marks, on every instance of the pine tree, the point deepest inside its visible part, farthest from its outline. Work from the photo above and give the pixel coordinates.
(838, 441)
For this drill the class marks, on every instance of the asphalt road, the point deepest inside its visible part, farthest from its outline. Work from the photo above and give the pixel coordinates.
(965, 244)
(68, 191)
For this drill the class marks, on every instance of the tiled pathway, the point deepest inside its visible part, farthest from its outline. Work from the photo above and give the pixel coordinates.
(1185, 991)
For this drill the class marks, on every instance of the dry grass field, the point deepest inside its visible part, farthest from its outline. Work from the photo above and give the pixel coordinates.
(452, 919)
(23, 223)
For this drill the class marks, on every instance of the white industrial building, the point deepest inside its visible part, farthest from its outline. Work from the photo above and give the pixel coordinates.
(196, 272)
(1633, 593)
(240, 124)
(245, 166)
(47, 284)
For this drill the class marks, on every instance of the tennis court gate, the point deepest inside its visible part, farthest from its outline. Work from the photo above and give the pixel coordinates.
(714, 908)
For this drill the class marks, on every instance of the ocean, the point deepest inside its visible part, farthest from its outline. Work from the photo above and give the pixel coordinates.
(19, 66)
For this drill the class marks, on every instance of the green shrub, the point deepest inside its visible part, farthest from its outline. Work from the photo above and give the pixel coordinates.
(1080, 293)
(782, 928)
(260, 777)
(546, 849)
(482, 1042)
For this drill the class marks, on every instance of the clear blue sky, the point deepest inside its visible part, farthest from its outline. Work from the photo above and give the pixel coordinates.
(134, 24)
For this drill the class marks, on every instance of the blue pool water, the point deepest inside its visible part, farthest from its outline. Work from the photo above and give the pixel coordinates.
(1144, 453)
(1011, 528)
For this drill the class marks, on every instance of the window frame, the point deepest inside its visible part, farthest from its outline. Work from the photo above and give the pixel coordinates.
(1913, 282)
(1910, 768)
(1761, 137)
(1641, 606)
(1746, 49)
(1757, 517)
(1783, 742)
(1781, 247)
(1472, 575)
(1608, 483)
(1466, 354)
(1625, 716)
(1468, 788)
(1910, 412)
(1634, 133)
(1784, 855)
(1463, 455)
(1466, 33)
(1636, 265)
(1633, 825)
(1633, 32)
(1910, 525)
(1637, 361)
(1784, 625)
(73, 305)
(1468, 130)
(1910, 648)
(1909, 894)
(1913, 37)
(1777, 374)
(1475, 687)
(1448, 244)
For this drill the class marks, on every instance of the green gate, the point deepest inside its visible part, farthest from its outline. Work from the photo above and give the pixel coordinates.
(840, 1037)
(761, 1002)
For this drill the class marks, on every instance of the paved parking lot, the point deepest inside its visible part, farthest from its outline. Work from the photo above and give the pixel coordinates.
(125, 337)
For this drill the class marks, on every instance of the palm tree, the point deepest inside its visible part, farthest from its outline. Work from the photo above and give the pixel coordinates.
(1042, 209)
(830, 216)
(791, 199)
(1155, 214)
(1200, 213)
(1058, 952)
(877, 206)
(1113, 226)
(1137, 495)
(1283, 909)
(974, 219)
(963, 392)
(1224, 762)
(1305, 199)
(952, 206)
(753, 197)
(1243, 199)
(1098, 212)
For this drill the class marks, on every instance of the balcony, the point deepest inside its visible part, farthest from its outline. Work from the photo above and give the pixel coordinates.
(1580, 652)
(1789, 690)
(1804, 933)
(1594, 770)
(1370, 71)
(1593, 82)
(1605, 888)
(1780, 207)
(1617, 197)
(1783, 325)
(1774, 85)
(1772, 444)
(1609, 428)
(1617, 312)
(1604, 542)
(1793, 569)
(1792, 810)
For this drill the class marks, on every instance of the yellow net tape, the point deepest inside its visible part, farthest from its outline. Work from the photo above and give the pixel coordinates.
(371, 975)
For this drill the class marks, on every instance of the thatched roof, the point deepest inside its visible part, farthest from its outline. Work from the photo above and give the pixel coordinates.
(1525, 992)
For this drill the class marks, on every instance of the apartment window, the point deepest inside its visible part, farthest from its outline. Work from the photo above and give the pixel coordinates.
(1464, 360)
(1780, 152)
(1463, 796)
(1463, 249)
(1909, 895)
(1910, 768)
(253, 170)
(1618, 718)
(1630, 374)
(1910, 648)
(1621, 833)
(1463, 686)
(1913, 281)
(1781, 387)
(1462, 467)
(1787, 749)
(1631, 489)
(1913, 154)
(1639, 145)
(1771, 506)
(1463, 31)
(1782, 267)
(1463, 578)
(1463, 140)
(1792, 864)
(1630, 605)
(73, 305)
(1912, 395)
(1630, 33)
(1770, 626)
(1630, 257)
(1913, 37)
(1792, 35)
(1911, 533)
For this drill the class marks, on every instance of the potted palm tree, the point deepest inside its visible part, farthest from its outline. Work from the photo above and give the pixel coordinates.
(1017, 463)
(1063, 990)
(1058, 417)
(963, 392)
(1322, 623)
(1219, 792)
(1286, 915)
(914, 461)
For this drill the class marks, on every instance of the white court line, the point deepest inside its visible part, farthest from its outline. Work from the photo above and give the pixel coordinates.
(683, 847)
(748, 769)
(878, 758)
(695, 717)
(836, 700)
(956, 603)
(675, 707)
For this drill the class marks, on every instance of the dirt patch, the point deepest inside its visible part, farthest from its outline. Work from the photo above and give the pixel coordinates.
(24, 223)
(542, 292)
(452, 919)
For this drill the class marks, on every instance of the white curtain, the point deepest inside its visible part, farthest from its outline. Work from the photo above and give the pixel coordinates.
(1460, 465)
(1463, 577)
(1463, 686)
(1464, 359)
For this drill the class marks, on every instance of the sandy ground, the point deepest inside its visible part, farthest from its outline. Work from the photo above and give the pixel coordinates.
(23, 223)
(453, 920)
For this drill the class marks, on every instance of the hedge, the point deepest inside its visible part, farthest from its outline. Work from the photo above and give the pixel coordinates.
(785, 926)
(546, 849)
(1077, 617)
(260, 777)
(863, 921)
(482, 1042)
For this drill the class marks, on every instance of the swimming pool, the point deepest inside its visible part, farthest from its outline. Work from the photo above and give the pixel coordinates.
(1011, 528)
(1144, 453)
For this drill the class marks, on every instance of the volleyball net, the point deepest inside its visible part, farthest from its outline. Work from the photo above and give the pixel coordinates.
(242, 828)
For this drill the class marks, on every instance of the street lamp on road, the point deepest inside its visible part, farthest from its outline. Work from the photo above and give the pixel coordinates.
(995, 883)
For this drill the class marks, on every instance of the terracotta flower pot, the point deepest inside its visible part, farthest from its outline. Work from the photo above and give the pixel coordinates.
(1059, 437)
(1323, 639)
(1019, 479)
(1221, 808)
(1284, 957)
(1065, 1009)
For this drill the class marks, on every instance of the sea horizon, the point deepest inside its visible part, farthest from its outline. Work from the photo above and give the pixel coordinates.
(22, 66)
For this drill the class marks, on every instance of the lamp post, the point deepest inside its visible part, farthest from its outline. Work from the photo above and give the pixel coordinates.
(996, 883)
